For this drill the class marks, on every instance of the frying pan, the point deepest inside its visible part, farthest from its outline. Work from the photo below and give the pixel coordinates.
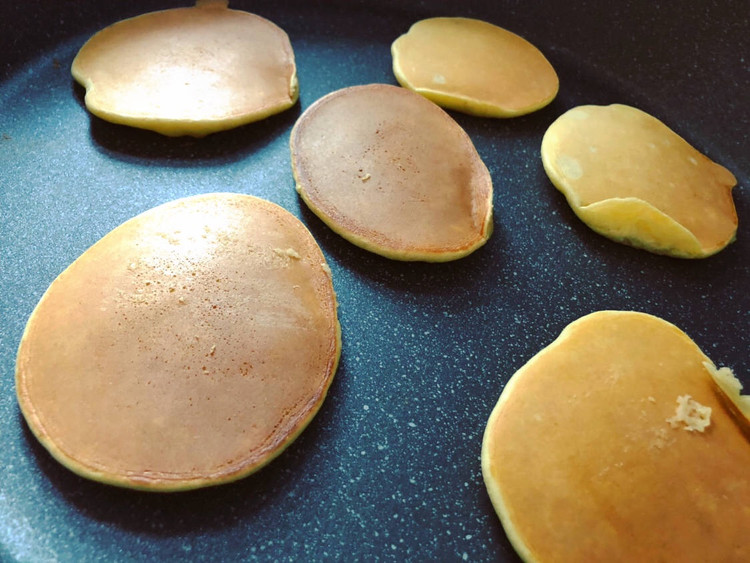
(389, 469)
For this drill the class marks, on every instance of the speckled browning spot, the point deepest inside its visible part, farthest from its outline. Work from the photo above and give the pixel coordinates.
(393, 173)
(155, 376)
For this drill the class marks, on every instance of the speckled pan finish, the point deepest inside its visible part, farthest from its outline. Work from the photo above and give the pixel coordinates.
(389, 468)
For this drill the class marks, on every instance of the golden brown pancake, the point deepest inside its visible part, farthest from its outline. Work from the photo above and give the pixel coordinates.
(474, 67)
(186, 348)
(188, 71)
(632, 179)
(603, 448)
(393, 173)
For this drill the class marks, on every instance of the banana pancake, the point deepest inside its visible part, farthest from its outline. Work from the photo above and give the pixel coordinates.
(188, 71)
(188, 347)
(393, 173)
(614, 443)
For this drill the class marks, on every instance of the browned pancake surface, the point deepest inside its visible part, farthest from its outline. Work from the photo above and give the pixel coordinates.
(474, 67)
(393, 173)
(582, 464)
(187, 347)
(188, 71)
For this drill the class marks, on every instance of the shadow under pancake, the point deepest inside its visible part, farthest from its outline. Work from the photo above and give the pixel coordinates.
(499, 537)
(133, 144)
(418, 277)
(175, 514)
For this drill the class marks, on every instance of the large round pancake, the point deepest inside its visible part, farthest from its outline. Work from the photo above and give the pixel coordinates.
(393, 173)
(634, 180)
(188, 71)
(584, 459)
(475, 67)
(188, 347)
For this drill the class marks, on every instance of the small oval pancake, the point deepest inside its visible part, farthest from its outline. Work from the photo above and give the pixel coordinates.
(475, 67)
(186, 348)
(582, 464)
(188, 71)
(393, 173)
(632, 179)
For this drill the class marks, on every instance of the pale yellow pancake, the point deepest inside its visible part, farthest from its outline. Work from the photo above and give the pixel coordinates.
(614, 444)
(475, 67)
(632, 179)
(393, 173)
(188, 71)
(186, 348)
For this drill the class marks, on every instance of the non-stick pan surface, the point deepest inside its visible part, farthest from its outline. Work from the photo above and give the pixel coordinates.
(389, 469)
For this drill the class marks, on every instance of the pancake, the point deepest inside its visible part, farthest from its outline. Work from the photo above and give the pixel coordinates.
(615, 444)
(632, 179)
(392, 173)
(475, 67)
(186, 348)
(188, 71)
